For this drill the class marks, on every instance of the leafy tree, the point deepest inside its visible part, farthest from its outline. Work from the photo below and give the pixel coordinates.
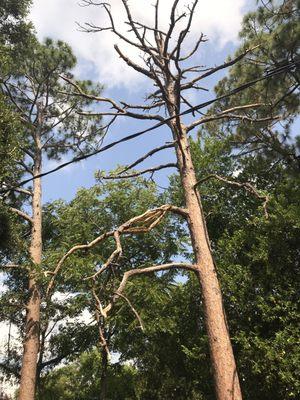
(15, 36)
(80, 380)
(258, 263)
(9, 128)
(257, 256)
(92, 212)
(64, 335)
(14, 29)
(273, 32)
(51, 127)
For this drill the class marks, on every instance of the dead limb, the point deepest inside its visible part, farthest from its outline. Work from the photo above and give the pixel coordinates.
(11, 266)
(142, 271)
(98, 313)
(104, 311)
(246, 185)
(143, 158)
(142, 172)
(21, 214)
(229, 114)
(140, 224)
(132, 309)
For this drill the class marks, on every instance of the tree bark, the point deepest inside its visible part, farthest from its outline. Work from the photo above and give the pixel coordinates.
(32, 323)
(103, 379)
(226, 379)
(227, 386)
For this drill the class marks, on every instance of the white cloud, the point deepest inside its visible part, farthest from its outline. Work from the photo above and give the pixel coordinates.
(220, 20)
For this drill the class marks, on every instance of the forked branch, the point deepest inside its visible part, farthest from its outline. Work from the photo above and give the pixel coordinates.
(230, 114)
(21, 214)
(143, 271)
(142, 172)
(143, 158)
(137, 225)
(246, 185)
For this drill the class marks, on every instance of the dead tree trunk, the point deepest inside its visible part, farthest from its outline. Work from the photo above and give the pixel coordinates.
(227, 385)
(167, 65)
(32, 323)
(224, 368)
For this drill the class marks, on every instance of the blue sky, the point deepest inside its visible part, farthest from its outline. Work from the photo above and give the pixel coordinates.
(219, 20)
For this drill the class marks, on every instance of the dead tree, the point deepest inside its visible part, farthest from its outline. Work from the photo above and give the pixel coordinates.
(166, 65)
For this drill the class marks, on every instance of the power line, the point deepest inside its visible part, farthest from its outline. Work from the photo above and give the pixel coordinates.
(267, 75)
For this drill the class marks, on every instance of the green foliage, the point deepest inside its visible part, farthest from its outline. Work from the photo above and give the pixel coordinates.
(273, 34)
(257, 257)
(171, 356)
(91, 213)
(48, 102)
(80, 380)
(10, 133)
(13, 27)
(15, 33)
(258, 265)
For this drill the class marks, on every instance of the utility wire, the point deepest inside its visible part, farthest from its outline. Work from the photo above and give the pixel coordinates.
(267, 75)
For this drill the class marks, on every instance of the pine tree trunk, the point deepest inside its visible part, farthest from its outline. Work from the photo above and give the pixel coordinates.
(226, 379)
(32, 323)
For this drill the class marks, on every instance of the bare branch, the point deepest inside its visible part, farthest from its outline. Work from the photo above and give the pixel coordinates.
(99, 310)
(93, 28)
(184, 32)
(194, 50)
(143, 106)
(11, 266)
(87, 95)
(120, 111)
(99, 307)
(116, 254)
(172, 26)
(148, 270)
(227, 64)
(149, 154)
(150, 219)
(269, 74)
(146, 27)
(23, 191)
(144, 171)
(228, 114)
(132, 64)
(246, 185)
(132, 309)
(156, 35)
(21, 214)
